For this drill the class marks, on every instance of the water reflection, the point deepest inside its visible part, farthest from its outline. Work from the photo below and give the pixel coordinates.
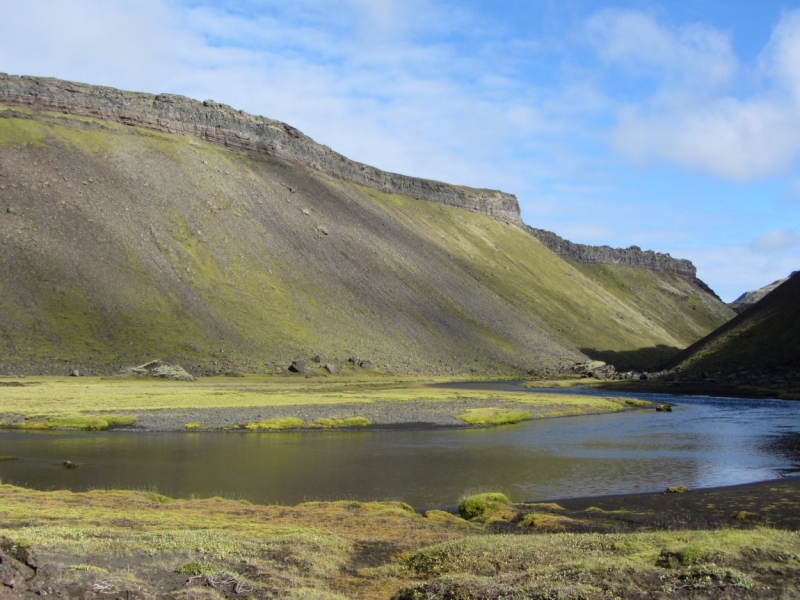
(704, 442)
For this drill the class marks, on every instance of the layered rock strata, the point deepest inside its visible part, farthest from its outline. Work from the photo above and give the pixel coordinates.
(222, 124)
(632, 257)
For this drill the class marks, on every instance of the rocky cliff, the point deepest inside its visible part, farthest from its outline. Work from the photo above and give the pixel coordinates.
(222, 124)
(631, 257)
(235, 128)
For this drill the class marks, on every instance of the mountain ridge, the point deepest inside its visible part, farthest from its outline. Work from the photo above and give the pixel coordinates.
(222, 124)
(121, 243)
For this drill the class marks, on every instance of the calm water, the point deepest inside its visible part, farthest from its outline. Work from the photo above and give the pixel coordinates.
(704, 442)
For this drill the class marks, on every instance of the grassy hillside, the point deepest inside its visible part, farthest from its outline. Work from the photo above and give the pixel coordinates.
(667, 300)
(119, 244)
(764, 338)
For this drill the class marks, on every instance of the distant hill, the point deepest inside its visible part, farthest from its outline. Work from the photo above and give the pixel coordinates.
(748, 299)
(135, 226)
(763, 340)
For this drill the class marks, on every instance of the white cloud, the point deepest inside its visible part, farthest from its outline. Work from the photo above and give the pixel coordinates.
(693, 53)
(776, 240)
(733, 270)
(692, 119)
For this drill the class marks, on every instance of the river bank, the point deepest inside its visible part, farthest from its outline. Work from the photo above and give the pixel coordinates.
(133, 544)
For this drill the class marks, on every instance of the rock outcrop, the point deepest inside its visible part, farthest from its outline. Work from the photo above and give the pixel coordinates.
(632, 257)
(222, 124)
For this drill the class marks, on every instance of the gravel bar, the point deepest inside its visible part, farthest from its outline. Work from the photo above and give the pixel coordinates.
(415, 414)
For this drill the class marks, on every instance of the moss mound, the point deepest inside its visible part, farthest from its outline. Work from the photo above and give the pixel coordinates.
(482, 505)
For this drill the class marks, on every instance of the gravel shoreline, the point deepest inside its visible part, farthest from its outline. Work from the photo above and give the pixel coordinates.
(416, 414)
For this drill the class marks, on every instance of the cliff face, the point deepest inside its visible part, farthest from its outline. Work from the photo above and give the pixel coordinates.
(224, 125)
(631, 257)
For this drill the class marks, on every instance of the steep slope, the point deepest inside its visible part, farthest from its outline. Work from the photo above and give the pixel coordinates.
(668, 300)
(748, 299)
(761, 343)
(121, 242)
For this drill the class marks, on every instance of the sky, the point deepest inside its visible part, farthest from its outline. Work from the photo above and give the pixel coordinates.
(673, 126)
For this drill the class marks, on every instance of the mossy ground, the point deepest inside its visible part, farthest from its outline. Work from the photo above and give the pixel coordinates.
(494, 416)
(140, 542)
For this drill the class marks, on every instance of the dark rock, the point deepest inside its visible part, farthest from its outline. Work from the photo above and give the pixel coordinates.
(13, 573)
(298, 366)
(663, 407)
(70, 465)
(331, 369)
(366, 364)
(20, 552)
(633, 256)
(643, 377)
(317, 359)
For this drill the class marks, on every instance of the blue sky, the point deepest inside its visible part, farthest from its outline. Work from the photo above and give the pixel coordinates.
(673, 126)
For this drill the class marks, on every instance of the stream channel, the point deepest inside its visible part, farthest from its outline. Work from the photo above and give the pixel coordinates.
(704, 442)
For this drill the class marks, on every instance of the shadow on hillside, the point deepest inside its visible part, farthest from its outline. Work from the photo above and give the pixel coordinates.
(643, 359)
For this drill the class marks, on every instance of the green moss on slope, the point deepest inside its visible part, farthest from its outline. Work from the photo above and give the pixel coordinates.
(129, 244)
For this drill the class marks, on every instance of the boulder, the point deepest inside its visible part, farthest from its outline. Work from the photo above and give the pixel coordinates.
(317, 359)
(74, 373)
(366, 364)
(331, 369)
(298, 366)
(162, 370)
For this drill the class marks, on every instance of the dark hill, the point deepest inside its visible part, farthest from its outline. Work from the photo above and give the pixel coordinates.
(763, 341)
(135, 226)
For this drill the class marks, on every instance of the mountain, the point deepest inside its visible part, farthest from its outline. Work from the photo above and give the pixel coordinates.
(759, 346)
(138, 226)
(748, 299)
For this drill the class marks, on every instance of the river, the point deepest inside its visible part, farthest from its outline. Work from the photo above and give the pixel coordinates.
(704, 442)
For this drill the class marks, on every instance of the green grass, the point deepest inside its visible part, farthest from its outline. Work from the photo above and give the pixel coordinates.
(191, 426)
(85, 422)
(494, 416)
(482, 505)
(311, 546)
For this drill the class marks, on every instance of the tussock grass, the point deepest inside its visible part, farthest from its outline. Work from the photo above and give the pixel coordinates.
(494, 416)
(85, 422)
(313, 546)
(483, 506)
